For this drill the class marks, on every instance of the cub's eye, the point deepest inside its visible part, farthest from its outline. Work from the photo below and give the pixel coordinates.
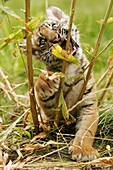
(55, 26)
(42, 42)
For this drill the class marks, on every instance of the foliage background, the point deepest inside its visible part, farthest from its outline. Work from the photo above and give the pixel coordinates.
(86, 14)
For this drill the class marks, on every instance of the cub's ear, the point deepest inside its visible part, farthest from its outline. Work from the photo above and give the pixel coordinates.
(56, 14)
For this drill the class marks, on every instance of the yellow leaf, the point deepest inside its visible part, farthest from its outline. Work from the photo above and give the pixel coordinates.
(62, 54)
(108, 21)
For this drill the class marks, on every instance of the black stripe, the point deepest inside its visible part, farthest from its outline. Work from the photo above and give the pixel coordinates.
(89, 90)
(42, 89)
(50, 98)
(48, 84)
(89, 132)
(87, 105)
(68, 85)
(84, 66)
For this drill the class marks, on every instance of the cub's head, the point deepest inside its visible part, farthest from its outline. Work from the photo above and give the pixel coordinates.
(54, 30)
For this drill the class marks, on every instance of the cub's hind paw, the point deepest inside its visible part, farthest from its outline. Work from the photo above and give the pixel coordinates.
(79, 154)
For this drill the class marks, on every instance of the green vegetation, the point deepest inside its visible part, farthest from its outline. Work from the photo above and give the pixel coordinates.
(86, 14)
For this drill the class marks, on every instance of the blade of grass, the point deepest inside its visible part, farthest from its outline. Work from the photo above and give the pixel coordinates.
(64, 62)
(30, 71)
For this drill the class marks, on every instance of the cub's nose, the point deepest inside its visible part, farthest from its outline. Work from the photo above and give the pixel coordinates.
(56, 38)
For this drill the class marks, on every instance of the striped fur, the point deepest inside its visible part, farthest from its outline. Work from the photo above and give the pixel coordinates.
(54, 31)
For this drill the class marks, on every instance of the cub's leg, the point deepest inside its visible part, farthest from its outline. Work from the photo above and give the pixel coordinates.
(46, 92)
(81, 148)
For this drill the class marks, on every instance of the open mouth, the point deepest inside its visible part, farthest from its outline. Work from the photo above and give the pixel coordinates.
(73, 46)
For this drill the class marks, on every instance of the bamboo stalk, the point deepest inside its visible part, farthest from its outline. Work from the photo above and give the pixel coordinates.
(105, 88)
(64, 62)
(30, 72)
(96, 48)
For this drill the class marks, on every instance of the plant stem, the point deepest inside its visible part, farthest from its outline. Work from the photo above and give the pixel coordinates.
(96, 49)
(57, 117)
(30, 71)
(103, 76)
(68, 39)
(105, 88)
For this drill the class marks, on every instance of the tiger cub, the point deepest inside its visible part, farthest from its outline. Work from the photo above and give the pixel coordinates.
(54, 30)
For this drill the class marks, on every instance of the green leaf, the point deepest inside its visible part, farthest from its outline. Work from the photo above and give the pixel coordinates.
(10, 12)
(62, 103)
(60, 99)
(57, 109)
(28, 134)
(19, 35)
(33, 23)
(62, 54)
(11, 38)
(61, 74)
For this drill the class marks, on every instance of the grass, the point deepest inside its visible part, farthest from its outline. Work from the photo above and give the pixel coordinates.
(86, 14)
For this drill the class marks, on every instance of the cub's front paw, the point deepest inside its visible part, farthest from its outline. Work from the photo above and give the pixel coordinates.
(83, 154)
(47, 84)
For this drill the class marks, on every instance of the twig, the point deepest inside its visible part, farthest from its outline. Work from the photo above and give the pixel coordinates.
(8, 89)
(50, 153)
(96, 49)
(103, 76)
(2, 86)
(62, 136)
(64, 62)
(58, 150)
(103, 163)
(105, 88)
(72, 135)
(30, 71)
(80, 101)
